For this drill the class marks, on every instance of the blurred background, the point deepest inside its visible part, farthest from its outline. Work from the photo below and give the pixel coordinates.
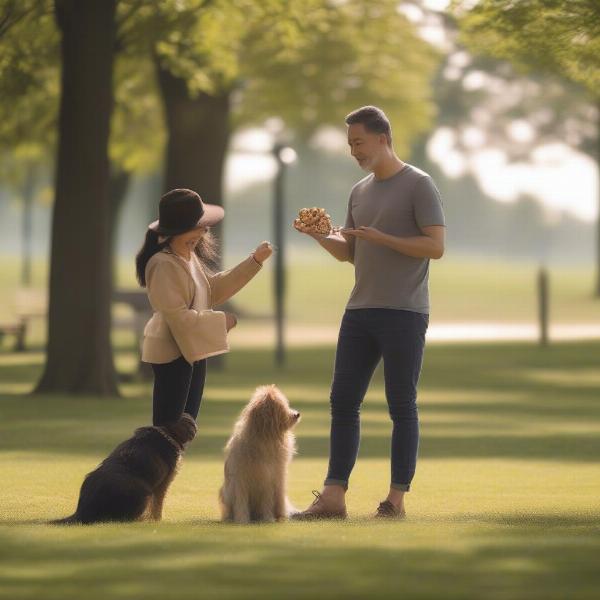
(106, 104)
(203, 92)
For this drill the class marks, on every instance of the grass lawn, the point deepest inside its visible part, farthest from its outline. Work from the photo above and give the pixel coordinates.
(462, 290)
(504, 505)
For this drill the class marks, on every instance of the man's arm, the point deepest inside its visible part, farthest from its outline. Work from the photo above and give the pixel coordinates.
(429, 245)
(338, 245)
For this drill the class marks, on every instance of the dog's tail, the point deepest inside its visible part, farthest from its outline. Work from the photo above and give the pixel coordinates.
(72, 519)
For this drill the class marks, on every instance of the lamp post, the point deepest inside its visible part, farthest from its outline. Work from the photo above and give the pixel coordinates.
(284, 156)
(26, 228)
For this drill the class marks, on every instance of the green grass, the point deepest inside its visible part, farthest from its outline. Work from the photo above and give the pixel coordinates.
(462, 290)
(504, 503)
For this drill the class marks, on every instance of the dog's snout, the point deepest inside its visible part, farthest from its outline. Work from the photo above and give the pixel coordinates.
(296, 415)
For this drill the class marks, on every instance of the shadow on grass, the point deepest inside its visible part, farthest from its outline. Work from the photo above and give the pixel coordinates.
(551, 557)
(481, 399)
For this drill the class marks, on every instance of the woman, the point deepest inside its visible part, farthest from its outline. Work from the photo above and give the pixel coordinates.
(174, 265)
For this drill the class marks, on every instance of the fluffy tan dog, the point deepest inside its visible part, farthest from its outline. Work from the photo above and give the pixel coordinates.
(256, 460)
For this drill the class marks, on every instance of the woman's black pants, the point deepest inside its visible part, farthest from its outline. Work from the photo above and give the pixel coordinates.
(178, 388)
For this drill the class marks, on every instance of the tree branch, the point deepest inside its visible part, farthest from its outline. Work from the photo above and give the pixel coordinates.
(6, 23)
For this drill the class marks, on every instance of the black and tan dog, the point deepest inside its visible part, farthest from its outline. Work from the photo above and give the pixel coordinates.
(131, 483)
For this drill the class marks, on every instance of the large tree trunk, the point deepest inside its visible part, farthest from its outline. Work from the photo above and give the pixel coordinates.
(79, 354)
(197, 138)
(118, 185)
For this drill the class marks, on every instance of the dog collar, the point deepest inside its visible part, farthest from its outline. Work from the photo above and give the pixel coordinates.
(172, 440)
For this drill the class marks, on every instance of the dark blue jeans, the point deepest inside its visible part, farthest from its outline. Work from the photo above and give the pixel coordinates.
(178, 388)
(366, 336)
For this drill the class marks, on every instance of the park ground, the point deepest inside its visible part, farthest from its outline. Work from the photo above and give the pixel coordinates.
(504, 503)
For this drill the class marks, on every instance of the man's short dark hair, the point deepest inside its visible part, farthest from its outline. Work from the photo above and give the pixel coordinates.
(373, 119)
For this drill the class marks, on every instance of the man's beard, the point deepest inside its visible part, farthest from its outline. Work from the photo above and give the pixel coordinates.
(366, 164)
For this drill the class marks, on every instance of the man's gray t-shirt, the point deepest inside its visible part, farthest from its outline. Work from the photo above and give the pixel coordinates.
(400, 205)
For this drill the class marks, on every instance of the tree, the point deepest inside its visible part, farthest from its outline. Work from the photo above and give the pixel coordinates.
(561, 37)
(30, 75)
(80, 271)
(27, 135)
(86, 206)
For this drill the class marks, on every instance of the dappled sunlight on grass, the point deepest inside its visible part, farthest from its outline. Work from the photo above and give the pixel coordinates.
(582, 378)
(504, 502)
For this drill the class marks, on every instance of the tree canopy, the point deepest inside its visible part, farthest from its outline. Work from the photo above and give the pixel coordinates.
(557, 36)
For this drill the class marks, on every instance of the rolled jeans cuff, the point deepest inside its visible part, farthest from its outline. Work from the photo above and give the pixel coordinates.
(403, 487)
(340, 482)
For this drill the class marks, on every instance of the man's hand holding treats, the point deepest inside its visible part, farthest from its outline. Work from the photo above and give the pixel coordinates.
(313, 220)
(316, 223)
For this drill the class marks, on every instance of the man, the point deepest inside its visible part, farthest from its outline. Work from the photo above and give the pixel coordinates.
(394, 225)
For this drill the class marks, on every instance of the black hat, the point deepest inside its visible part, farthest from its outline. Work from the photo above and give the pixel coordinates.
(182, 210)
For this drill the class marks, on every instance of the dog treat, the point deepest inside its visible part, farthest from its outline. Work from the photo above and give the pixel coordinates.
(314, 220)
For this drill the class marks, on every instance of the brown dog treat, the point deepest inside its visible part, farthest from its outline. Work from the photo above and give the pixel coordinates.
(314, 220)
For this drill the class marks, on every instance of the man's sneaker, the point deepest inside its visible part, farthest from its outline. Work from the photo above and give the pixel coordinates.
(386, 510)
(319, 509)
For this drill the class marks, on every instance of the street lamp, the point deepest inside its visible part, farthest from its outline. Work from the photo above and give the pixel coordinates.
(284, 156)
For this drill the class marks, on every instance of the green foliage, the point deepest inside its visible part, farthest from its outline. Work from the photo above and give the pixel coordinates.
(305, 61)
(350, 54)
(308, 62)
(29, 84)
(28, 72)
(30, 88)
(137, 130)
(558, 36)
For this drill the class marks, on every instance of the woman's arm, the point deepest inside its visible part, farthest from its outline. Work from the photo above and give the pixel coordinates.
(226, 284)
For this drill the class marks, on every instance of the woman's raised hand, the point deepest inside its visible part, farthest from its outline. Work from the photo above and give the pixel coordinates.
(230, 321)
(263, 251)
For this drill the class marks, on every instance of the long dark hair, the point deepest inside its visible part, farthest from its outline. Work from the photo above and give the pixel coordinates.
(206, 250)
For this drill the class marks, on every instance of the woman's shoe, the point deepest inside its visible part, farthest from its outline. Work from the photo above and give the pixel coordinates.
(386, 510)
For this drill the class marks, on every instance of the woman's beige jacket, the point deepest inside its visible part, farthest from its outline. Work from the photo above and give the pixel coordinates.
(182, 297)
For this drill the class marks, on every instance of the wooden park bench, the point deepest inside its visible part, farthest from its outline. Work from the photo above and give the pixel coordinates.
(29, 304)
(33, 304)
(141, 311)
(18, 329)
